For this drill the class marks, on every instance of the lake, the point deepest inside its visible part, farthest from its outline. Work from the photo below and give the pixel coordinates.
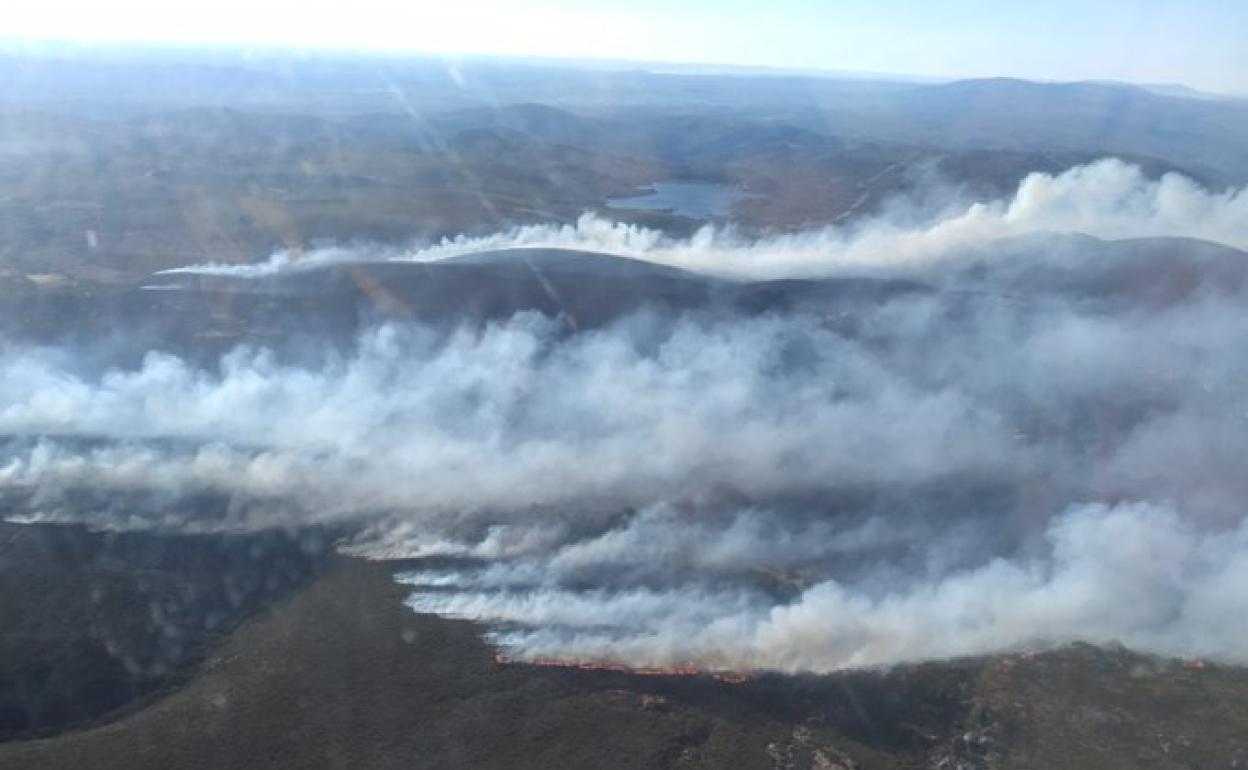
(697, 200)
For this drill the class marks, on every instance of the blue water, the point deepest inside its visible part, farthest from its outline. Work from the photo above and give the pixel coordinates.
(697, 200)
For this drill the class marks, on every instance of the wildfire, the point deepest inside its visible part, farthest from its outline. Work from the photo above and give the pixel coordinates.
(620, 668)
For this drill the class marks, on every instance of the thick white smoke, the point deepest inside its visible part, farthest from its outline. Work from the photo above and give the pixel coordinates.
(943, 473)
(503, 420)
(1134, 573)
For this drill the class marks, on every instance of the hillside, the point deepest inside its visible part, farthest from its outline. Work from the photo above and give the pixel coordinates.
(342, 675)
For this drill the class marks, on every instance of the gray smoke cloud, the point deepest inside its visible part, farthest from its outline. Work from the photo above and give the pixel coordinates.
(1015, 459)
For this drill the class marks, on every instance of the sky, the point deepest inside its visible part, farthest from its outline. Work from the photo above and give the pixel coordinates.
(1200, 43)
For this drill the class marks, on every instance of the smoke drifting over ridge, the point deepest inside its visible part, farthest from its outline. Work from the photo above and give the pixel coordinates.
(1009, 459)
(1108, 199)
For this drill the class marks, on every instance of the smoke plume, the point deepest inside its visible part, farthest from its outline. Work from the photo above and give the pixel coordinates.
(1039, 449)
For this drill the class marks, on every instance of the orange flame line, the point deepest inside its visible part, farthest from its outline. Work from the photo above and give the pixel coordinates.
(619, 668)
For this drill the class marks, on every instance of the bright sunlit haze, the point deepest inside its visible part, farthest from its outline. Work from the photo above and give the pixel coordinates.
(1198, 43)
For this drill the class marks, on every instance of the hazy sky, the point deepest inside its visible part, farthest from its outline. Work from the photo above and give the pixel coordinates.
(1203, 43)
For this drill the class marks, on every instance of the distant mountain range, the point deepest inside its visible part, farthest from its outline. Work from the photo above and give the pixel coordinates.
(1170, 123)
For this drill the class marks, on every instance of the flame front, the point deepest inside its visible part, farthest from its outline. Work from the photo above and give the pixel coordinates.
(620, 668)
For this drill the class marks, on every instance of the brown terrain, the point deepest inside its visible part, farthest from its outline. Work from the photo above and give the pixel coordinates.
(341, 674)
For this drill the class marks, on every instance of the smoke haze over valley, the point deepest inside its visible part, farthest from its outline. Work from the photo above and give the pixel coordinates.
(383, 409)
(946, 436)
